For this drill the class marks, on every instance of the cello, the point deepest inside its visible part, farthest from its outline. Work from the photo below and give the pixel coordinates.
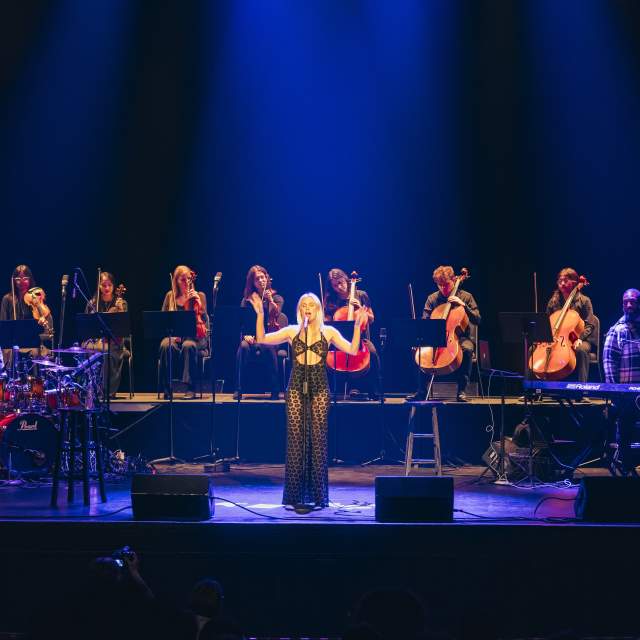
(444, 360)
(556, 360)
(338, 360)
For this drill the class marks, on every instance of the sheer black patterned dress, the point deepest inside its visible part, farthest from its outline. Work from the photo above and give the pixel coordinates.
(306, 479)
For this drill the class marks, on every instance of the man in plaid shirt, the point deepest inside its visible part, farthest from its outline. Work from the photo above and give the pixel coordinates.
(621, 355)
(621, 359)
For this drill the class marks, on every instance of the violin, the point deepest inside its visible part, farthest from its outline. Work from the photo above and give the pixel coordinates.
(444, 360)
(35, 298)
(275, 318)
(194, 304)
(556, 360)
(119, 293)
(339, 360)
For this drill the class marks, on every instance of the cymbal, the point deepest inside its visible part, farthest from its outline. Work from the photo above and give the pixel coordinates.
(53, 366)
(77, 351)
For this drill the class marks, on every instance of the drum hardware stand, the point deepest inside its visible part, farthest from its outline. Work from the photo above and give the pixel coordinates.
(63, 305)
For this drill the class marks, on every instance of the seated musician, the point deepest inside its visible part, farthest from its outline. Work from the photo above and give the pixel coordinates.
(105, 301)
(337, 296)
(567, 280)
(444, 277)
(186, 349)
(258, 281)
(14, 307)
(621, 362)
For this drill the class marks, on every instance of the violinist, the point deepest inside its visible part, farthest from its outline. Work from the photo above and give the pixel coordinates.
(258, 281)
(621, 362)
(105, 300)
(186, 349)
(566, 282)
(22, 302)
(444, 278)
(337, 296)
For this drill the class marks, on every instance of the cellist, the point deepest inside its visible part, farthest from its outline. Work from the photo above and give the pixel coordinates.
(336, 296)
(566, 282)
(444, 277)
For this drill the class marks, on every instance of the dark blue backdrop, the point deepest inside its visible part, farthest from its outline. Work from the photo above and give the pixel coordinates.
(379, 136)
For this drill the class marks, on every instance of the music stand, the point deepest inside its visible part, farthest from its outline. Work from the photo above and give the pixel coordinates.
(169, 324)
(524, 327)
(107, 326)
(228, 324)
(23, 333)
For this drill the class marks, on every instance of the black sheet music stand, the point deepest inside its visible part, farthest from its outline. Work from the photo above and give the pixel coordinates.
(106, 326)
(169, 324)
(22, 333)
(228, 325)
(526, 328)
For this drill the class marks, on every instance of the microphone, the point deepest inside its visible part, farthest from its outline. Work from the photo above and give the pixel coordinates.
(65, 282)
(216, 280)
(306, 323)
(75, 285)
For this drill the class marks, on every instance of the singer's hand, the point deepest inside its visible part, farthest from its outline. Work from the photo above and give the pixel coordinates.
(361, 316)
(249, 339)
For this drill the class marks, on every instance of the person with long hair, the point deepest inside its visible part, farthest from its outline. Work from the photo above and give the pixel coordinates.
(14, 307)
(565, 283)
(186, 349)
(306, 483)
(258, 281)
(105, 301)
(336, 295)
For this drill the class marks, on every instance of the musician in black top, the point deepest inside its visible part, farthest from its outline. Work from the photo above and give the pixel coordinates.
(336, 296)
(258, 281)
(566, 282)
(186, 349)
(105, 301)
(13, 307)
(444, 277)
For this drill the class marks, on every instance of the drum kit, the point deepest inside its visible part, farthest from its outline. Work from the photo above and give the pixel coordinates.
(35, 398)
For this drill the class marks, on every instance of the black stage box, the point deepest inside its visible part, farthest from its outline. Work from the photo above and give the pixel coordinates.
(172, 497)
(414, 499)
(608, 499)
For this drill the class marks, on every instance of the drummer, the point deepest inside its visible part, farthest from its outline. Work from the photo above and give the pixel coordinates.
(14, 307)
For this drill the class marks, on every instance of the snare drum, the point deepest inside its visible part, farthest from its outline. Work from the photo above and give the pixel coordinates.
(28, 442)
(64, 398)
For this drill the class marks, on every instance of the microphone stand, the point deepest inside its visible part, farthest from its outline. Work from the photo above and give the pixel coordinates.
(305, 406)
(212, 455)
(63, 305)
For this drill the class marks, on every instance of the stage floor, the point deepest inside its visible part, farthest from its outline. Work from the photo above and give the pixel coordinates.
(251, 493)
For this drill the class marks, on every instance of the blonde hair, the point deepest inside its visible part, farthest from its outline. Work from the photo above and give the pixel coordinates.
(175, 292)
(318, 323)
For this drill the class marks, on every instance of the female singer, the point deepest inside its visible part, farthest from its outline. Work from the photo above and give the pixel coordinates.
(566, 282)
(259, 281)
(14, 307)
(181, 297)
(306, 483)
(105, 301)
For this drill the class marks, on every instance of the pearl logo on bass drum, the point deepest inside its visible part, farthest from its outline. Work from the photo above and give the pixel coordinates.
(25, 425)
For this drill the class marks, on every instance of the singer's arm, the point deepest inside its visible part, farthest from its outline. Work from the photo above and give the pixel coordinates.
(276, 337)
(344, 345)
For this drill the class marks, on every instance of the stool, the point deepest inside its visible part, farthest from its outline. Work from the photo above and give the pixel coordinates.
(72, 422)
(409, 460)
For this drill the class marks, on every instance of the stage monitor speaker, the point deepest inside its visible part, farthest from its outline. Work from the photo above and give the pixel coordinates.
(172, 497)
(608, 499)
(414, 499)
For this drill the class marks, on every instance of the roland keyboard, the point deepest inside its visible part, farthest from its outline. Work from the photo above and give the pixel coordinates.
(585, 388)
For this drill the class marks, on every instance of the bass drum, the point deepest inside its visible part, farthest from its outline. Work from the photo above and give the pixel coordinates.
(28, 442)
